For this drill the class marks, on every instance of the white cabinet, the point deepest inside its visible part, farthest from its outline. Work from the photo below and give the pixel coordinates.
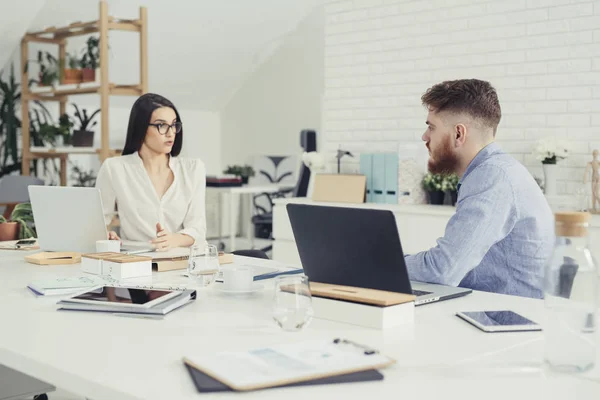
(419, 227)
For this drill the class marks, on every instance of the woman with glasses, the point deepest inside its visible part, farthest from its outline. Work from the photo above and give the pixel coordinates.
(160, 197)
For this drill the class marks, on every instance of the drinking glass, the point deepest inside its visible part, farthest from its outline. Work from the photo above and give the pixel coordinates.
(292, 302)
(203, 264)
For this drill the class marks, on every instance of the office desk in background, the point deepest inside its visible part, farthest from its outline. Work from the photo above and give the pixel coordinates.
(101, 356)
(235, 195)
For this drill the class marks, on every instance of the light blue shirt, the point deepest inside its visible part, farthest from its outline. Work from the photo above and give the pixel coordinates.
(500, 236)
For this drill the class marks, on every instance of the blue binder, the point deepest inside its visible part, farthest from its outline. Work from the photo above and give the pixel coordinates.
(391, 178)
(366, 168)
(378, 177)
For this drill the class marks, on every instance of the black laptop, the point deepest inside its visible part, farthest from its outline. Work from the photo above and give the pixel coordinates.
(357, 247)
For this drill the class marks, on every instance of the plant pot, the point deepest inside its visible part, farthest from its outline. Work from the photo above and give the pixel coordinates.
(9, 231)
(453, 197)
(72, 76)
(88, 75)
(244, 180)
(83, 139)
(550, 175)
(436, 197)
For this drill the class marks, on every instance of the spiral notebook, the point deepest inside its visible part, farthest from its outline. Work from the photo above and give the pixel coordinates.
(288, 364)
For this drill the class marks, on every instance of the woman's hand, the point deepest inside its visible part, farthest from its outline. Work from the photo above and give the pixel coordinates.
(113, 236)
(166, 240)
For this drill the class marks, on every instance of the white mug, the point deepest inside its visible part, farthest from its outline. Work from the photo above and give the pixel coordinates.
(238, 279)
(108, 246)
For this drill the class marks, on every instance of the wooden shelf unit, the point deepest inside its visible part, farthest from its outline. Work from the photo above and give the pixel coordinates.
(105, 88)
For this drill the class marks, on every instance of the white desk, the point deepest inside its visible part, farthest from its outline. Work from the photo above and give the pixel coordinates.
(235, 194)
(101, 356)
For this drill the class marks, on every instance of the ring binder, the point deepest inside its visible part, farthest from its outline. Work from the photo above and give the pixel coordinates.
(366, 350)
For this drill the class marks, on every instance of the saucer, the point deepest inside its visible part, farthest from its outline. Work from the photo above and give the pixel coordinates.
(256, 287)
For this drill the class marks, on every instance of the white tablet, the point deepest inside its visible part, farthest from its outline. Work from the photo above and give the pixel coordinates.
(123, 296)
(499, 321)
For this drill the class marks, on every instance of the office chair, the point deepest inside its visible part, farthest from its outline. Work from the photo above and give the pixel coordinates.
(13, 190)
(263, 219)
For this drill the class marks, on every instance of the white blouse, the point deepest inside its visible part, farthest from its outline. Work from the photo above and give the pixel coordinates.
(123, 180)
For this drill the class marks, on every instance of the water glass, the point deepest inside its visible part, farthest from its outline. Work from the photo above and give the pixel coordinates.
(203, 264)
(292, 302)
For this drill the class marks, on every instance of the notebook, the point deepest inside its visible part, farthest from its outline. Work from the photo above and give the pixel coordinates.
(287, 364)
(206, 384)
(61, 286)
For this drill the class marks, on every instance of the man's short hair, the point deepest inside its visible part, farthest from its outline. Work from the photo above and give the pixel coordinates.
(473, 97)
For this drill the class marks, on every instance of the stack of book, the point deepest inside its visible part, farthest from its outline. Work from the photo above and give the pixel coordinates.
(223, 181)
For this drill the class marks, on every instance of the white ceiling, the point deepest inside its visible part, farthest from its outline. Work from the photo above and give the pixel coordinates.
(200, 51)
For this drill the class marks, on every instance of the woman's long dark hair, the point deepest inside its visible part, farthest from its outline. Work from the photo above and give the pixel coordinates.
(139, 118)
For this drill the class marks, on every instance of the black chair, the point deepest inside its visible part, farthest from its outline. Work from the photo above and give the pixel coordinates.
(263, 219)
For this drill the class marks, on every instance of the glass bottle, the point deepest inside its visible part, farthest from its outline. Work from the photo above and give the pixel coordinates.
(570, 297)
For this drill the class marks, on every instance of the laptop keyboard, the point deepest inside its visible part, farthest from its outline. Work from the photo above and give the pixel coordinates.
(420, 292)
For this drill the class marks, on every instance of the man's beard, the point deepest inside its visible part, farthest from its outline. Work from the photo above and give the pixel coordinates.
(443, 161)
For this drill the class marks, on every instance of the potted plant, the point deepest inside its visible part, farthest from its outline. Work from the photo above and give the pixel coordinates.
(57, 135)
(72, 74)
(48, 68)
(83, 136)
(549, 152)
(450, 186)
(90, 60)
(20, 225)
(432, 183)
(243, 171)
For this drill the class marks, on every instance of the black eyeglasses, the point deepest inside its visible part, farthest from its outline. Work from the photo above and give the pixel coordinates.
(163, 128)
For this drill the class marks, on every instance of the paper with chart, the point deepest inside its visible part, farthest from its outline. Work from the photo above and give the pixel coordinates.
(289, 363)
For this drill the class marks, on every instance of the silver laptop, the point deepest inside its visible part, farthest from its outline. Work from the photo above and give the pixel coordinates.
(357, 247)
(72, 219)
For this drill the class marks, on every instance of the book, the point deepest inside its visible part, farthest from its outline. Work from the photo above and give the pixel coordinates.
(61, 286)
(286, 364)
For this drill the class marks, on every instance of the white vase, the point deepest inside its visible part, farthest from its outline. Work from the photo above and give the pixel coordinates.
(550, 175)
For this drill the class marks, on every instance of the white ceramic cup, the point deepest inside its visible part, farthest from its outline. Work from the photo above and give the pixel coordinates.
(108, 246)
(238, 279)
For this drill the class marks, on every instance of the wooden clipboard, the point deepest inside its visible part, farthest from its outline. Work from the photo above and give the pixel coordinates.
(383, 362)
(54, 258)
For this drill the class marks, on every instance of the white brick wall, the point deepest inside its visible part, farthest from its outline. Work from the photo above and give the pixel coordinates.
(543, 57)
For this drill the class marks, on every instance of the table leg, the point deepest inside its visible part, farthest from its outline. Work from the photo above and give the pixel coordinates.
(249, 230)
(220, 218)
(233, 217)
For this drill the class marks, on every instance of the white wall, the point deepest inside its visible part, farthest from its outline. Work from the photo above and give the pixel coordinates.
(279, 99)
(543, 57)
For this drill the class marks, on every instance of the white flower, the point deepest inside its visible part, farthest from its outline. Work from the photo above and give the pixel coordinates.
(548, 151)
(314, 161)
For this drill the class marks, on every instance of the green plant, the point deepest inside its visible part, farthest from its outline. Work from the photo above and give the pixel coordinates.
(84, 120)
(49, 67)
(10, 127)
(83, 178)
(91, 54)
(432, 182)
(49, 132)
(23, 215)
(450, 183)
(74, 63)
(240, 170)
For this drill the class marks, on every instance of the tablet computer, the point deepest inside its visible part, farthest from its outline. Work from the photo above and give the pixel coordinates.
(499, 321)
(124, 296)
